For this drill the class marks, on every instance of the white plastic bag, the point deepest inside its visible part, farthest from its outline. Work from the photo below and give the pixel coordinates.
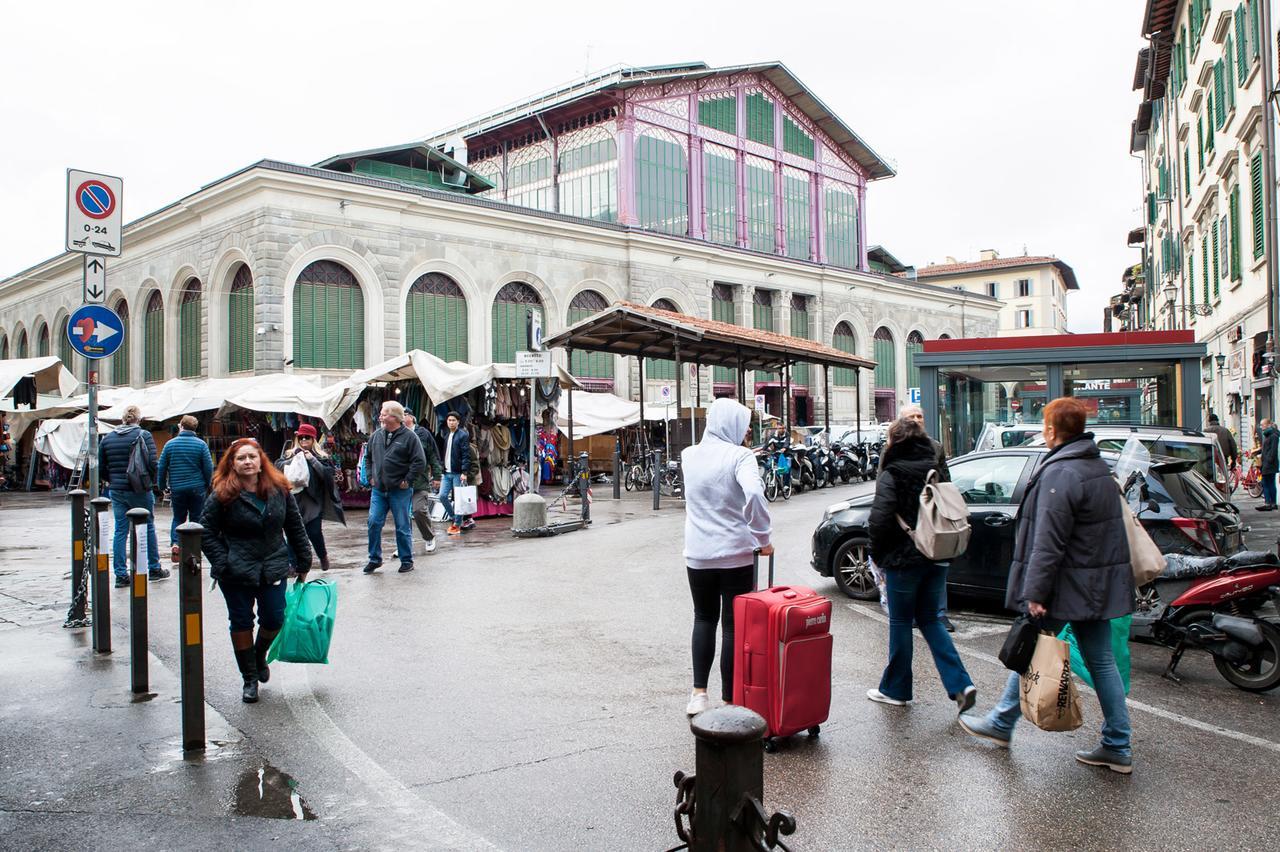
(464, 500)
(297, 471)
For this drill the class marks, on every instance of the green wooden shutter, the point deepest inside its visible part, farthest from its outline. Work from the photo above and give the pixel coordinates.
(1229, 72)
(1216, 275)
(800, 329)
(1255, 202)
(719, 113)
(1209, 120)
(240, 330)
(1242, 62)
(1191, 277)
(1255, 27)
(1200, 140)
(843, 377)
(1186, 172)
(886, 367)
(1204, 255)
(722, 311)
(153, 346)
(120, 360)
(1151, 208)
(191, 346)
(1234, 212)
(759, 118)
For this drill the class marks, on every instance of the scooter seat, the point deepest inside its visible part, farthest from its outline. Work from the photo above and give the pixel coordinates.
(1253, 559)
(1179, 566)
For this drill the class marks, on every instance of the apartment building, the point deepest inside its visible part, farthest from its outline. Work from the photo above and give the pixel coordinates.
(1032, 289)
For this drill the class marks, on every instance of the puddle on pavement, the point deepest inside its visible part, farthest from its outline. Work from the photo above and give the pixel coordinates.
(268, 792)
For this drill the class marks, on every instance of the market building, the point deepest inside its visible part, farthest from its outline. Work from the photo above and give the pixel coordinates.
(727, 193)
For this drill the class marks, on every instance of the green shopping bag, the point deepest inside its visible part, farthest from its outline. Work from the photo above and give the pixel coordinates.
(1119, 647)
(309, 611)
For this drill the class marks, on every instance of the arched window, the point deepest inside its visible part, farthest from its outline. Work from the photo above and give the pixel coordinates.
(153, 339)
(589, 175)
(915, 343)
(22, 344)
(661, 368)
(436, 317)
(328, 318)
(595, 365)
(240, 322)
(4, 347)
(42, 340)
(64, 345)
(120, 360)
(191, 347)
(944, 337)
(886, 376)
(843, 339)
(510, 330)
(662, 183)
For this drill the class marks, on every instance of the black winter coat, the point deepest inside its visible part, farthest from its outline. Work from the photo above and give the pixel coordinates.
(1270, 456)
(1071, 553)
(246, 545)
(394, 457)
(903, 471)
(431, 452)
(114, 451)
(320, 497)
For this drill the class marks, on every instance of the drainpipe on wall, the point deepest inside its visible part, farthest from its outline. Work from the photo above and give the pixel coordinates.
(1269, 180)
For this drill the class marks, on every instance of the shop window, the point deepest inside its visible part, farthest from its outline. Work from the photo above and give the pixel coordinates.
(42, 341)
(120, 360)
(843, 339)
(436, 317)
(595, 365)
(720, 194)
(328, 318)
(240, 322)
(153, 339)
(722, 311)
(795, 191)
(589, 177)
(1125, 393)
(661, 368)
(972, 398)
(662, 176)
(190, 314)
(22, 344)
(510, 325)
(758, 175)
(915, 343)
(841, 225)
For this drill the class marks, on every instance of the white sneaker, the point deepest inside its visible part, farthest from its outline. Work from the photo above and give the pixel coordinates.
(698, 701)
(878, 696)
(429, 546)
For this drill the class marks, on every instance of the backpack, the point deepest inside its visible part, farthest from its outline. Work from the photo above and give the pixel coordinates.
(139, 469)
(942, 529)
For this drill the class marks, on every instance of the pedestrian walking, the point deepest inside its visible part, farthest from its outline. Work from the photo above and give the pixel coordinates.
(251, 522)
(1269, 450)
(916, 414)
(395, 460)
(457, 464)
(427, 480)
(114, 452)
(913, 583)
(726, 522)
(186, 472)
(1071, 565)
(318, 500)
(1226, 440)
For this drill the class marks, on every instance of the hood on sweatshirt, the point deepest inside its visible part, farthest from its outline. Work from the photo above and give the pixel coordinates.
(125, 427)
(727, 420)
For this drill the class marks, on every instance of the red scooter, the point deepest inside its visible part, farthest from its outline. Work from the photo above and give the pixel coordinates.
(1212, 603)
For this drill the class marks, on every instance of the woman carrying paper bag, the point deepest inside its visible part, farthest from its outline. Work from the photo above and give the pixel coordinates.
(1070, 564)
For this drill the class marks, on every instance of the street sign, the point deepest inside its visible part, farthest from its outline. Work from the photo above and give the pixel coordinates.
(760, 403)
(664, 394)
(94, 220)
(693, 372)
(533, 365)
(95, 280)
(95, 331)
(913, 395)
(535, 331)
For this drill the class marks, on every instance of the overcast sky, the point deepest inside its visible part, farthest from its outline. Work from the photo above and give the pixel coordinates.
(1007, 120)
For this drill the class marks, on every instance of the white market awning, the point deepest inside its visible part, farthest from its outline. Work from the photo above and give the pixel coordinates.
(282, 393)
(443, 380)
(61, 440)
(50, 375)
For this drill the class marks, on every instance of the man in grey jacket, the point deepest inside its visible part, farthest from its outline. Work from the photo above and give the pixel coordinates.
(395, 460)
(1071, 564)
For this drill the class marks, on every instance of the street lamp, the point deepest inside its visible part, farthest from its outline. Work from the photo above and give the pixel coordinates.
(1170, 291)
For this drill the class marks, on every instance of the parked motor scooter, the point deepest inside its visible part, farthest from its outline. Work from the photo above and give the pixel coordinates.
(847, 464)
(824, 468)
(802, 472)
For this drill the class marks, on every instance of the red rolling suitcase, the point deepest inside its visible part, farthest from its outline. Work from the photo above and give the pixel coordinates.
(782, 657)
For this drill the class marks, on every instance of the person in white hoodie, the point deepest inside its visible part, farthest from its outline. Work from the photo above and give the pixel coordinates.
(726, 521)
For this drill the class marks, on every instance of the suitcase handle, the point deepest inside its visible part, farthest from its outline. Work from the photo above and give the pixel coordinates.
(755, 567)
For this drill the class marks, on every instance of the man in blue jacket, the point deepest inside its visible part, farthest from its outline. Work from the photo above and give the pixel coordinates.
(186, 472)
(114, 451)
(456, 463)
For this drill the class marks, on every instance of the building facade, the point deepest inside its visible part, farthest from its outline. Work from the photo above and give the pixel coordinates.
(1205, 260)
(1032, 290)
(323, 270)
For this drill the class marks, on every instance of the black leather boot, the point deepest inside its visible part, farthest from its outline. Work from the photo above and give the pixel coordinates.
(260, 647)
(249, 670)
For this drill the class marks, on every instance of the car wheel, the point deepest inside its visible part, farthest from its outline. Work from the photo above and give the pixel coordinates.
(851, 569)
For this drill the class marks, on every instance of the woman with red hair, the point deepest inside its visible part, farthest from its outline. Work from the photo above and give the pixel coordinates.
(246, 523)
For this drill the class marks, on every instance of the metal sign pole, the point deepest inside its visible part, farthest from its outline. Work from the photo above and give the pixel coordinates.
(92, 461)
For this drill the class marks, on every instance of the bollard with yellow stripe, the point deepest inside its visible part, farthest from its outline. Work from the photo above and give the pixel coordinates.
(138, 557)
(190, 635)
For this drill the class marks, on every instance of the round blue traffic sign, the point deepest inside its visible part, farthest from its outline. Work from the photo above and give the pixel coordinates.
(95, 199)
(95, 331)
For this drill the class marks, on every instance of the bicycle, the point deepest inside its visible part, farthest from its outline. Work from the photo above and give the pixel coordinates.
(639, 477)
(777, 476)
(1251, 482)
(672, 480)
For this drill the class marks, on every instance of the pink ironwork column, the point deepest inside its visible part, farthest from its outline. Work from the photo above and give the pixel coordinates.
(820, 218)
(740, 167)
(779, 204)
(697, 204)
(627, 167)
(862, 225)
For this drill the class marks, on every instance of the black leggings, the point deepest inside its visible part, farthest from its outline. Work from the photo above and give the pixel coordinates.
(714, 589)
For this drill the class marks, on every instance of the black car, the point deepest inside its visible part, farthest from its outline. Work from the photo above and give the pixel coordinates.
(1185, 514)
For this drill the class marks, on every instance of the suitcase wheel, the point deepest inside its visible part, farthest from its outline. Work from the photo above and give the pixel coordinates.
(815, 730)
(770, 745)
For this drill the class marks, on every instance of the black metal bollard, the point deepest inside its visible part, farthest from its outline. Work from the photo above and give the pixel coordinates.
(583, 474)
(617, 470)
(719, 807)
(81, 554)
(657, 477)
(138, 669)
(101, 578)
(191, 636)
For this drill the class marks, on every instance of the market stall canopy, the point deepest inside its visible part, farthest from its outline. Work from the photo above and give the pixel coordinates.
(443, 380)
(597, 413)
(61, 440)
(630, 329)
(281, 393)
(50, 375)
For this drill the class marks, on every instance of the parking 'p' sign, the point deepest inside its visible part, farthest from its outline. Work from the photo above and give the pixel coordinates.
(94, 213)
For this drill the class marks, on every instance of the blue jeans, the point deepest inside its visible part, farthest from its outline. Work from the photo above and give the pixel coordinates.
(241, 600)
(1268, 489)
(1094, 638)
(915, 595)
(400, 502)
(187, 505)
(121, 503)
(448, 482)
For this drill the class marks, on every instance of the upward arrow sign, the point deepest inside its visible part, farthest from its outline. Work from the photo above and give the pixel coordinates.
(96, 265)
(95, 279)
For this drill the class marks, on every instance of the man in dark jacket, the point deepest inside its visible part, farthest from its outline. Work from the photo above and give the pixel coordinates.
(1226, 440)
(395, 460)
(457, 463)
(114, 451)
(1071, 564)
(1270, 452)
(429, 478)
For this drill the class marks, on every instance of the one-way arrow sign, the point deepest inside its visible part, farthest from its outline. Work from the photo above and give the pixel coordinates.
(95, 279)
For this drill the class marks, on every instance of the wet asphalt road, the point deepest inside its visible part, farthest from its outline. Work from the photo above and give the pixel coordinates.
(529, 695)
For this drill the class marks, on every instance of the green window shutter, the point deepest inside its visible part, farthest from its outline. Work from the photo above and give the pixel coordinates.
(120, 360)
(1186, 172)
(1218, 84)
(722, 311)
(1255, 27)
(1233, 209)
(1204, 255)
(1151, 208)
(153, 346)
(1213, 226)
(795, 140)
(719, 113)
(1208, 120)
(1191, 277)
(759, 118)
(1255, 202)
(240, 330)
(1229, 72)
(189, 316)
(843, 377)
(886, 368)
(1242, 61)
(800, 329)
(1200, 140)
(914, 345)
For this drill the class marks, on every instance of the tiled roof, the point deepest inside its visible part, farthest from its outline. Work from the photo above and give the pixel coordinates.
(944, 269)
